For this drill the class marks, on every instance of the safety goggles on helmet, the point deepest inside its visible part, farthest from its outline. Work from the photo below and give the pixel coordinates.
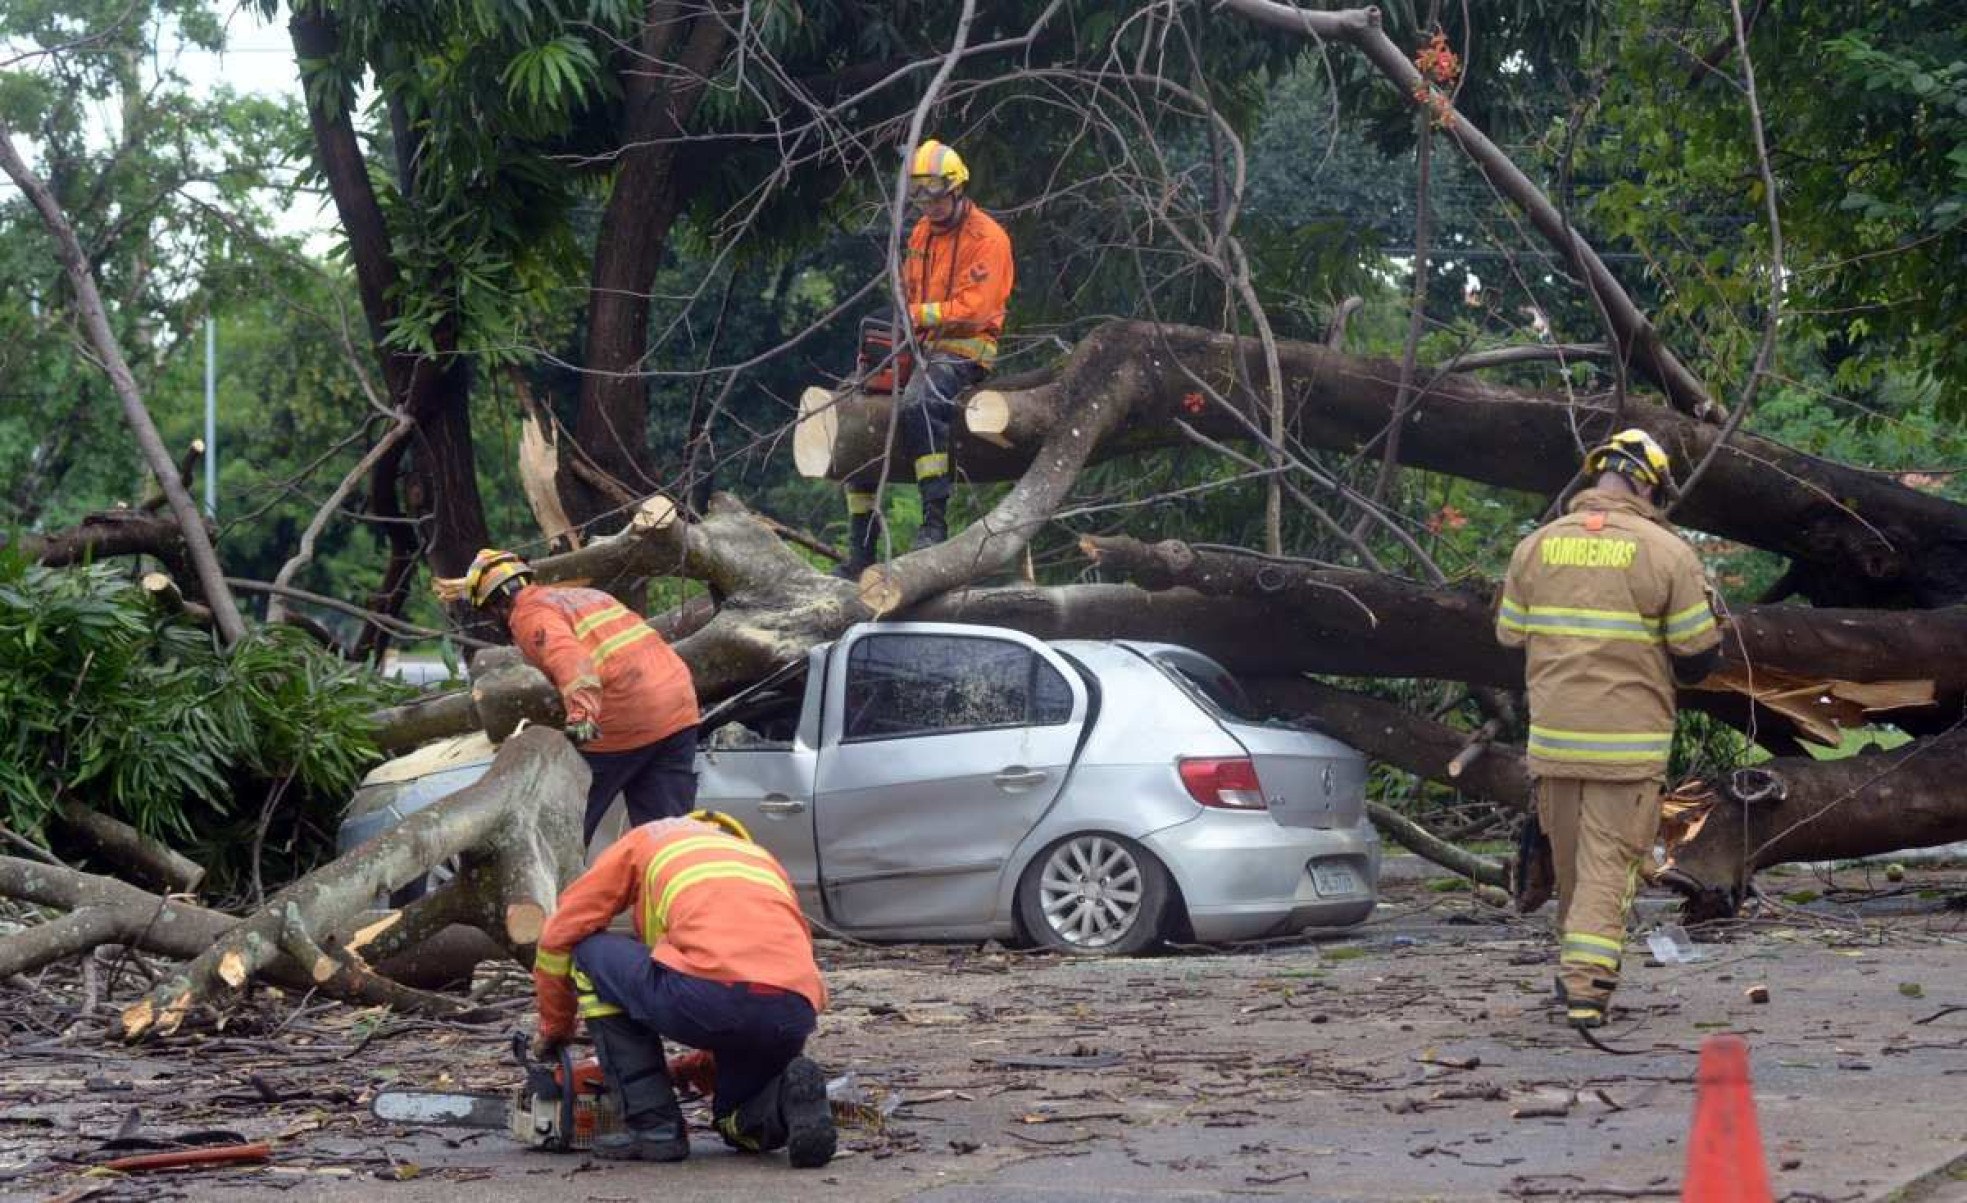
(923, 189)
(934, 171)
(1635, 455)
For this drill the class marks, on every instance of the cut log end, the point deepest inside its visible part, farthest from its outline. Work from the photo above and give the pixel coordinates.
(366, 935)
(880, 591)
(524, 921)
(138, 1018)
(654, 514)
(814, 435)
(987, 414)
(232, 969)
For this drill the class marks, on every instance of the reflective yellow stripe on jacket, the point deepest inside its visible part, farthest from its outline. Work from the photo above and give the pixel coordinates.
(733, 860)
(1614, 747)
(558, 964)
(1580, 623)
(632, 630)
(1685, 624)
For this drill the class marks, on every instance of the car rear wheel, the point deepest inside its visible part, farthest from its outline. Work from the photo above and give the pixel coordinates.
(1094, 894)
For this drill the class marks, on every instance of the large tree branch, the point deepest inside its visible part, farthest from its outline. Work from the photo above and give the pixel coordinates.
(95, 322)
(660, 94)
(1638, 340)
(1858, 538)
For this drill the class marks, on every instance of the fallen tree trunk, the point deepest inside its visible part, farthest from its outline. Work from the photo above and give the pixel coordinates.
(516, 834)
(102, 910)
(99, 910)
(1379, 625)
(125, 532)
(1810, 810)
(124, 846)
(1790, 808)
(1857, 538)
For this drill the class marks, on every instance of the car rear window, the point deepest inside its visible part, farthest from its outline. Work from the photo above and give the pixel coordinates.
(1214, 688)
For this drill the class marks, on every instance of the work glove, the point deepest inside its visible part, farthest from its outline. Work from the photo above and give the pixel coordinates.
(544, 1047)
(585, 731)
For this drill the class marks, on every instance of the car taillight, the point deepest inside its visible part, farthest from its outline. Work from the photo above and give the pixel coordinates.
(1229, 784)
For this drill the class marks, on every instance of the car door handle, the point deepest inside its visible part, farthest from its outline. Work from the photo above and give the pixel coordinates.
(779, 804)
(1019, 777)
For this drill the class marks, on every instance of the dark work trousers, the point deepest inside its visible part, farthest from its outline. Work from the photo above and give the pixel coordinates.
(928, 408)
(753, 1031)
(656, 781)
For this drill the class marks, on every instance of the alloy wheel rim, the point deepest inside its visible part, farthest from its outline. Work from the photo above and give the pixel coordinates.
(1090, 891)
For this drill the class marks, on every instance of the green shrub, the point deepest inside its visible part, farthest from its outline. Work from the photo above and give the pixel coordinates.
(108, 702)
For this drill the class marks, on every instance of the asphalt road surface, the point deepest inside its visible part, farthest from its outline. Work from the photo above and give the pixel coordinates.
(1416, 1057)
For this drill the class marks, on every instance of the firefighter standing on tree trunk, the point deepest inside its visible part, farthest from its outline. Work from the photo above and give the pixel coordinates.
(956, 278)
(631, 703)
(1611, 608)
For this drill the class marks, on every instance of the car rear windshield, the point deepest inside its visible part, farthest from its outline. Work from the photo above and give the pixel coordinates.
(1214, 688)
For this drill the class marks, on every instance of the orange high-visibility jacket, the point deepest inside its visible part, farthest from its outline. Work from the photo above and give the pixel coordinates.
(958, 283)
(607, 663)
(705, 902)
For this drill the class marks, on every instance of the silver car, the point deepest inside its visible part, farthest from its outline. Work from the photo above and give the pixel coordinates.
(939, 781)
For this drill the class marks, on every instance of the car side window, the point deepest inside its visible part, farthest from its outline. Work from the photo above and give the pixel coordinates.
(925, 684)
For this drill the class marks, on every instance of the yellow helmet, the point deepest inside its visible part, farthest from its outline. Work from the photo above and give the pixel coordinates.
(1633, 454)
(717, 818)
(490, 570)
(935, 170)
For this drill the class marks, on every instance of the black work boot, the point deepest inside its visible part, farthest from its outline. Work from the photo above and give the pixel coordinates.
(863, 544)
(808, 1117)
(637, 1074)
(790, 1111)
(935, 522)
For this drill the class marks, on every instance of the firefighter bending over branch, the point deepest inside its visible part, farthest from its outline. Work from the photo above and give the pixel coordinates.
(721, 961)
(956, 279)
(631, 703)
(1611, 608)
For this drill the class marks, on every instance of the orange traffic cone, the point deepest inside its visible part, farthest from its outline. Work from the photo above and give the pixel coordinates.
(1724, 1154)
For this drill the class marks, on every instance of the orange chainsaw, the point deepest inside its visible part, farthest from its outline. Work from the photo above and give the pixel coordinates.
(560, 1106)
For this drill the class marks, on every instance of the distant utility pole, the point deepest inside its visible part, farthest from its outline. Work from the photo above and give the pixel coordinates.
(211, 418)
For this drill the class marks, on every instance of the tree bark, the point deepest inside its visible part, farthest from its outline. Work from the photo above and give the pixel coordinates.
(1856, 538)
(433, 392)
(109, 533)
(660, 93)
(1339, 620)
(1879, 801)
(123, 845)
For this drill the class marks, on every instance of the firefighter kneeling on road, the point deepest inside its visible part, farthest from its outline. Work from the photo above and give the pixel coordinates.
(723, 963)
(1611, 608)
(956, 274)
(631, 703)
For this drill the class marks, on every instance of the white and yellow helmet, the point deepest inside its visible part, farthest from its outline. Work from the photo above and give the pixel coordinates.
(935, 170)
(490, 572)
(1633, 454)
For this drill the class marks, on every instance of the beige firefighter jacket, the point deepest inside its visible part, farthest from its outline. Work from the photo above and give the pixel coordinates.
(1598, 599)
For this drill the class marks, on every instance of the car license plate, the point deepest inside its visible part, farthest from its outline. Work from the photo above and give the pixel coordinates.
(1334, 880)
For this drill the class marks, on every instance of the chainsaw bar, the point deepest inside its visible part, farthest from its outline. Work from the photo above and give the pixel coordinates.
(436, 1109)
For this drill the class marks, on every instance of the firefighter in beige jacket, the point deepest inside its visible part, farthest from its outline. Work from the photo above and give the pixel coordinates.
(1611, 608)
